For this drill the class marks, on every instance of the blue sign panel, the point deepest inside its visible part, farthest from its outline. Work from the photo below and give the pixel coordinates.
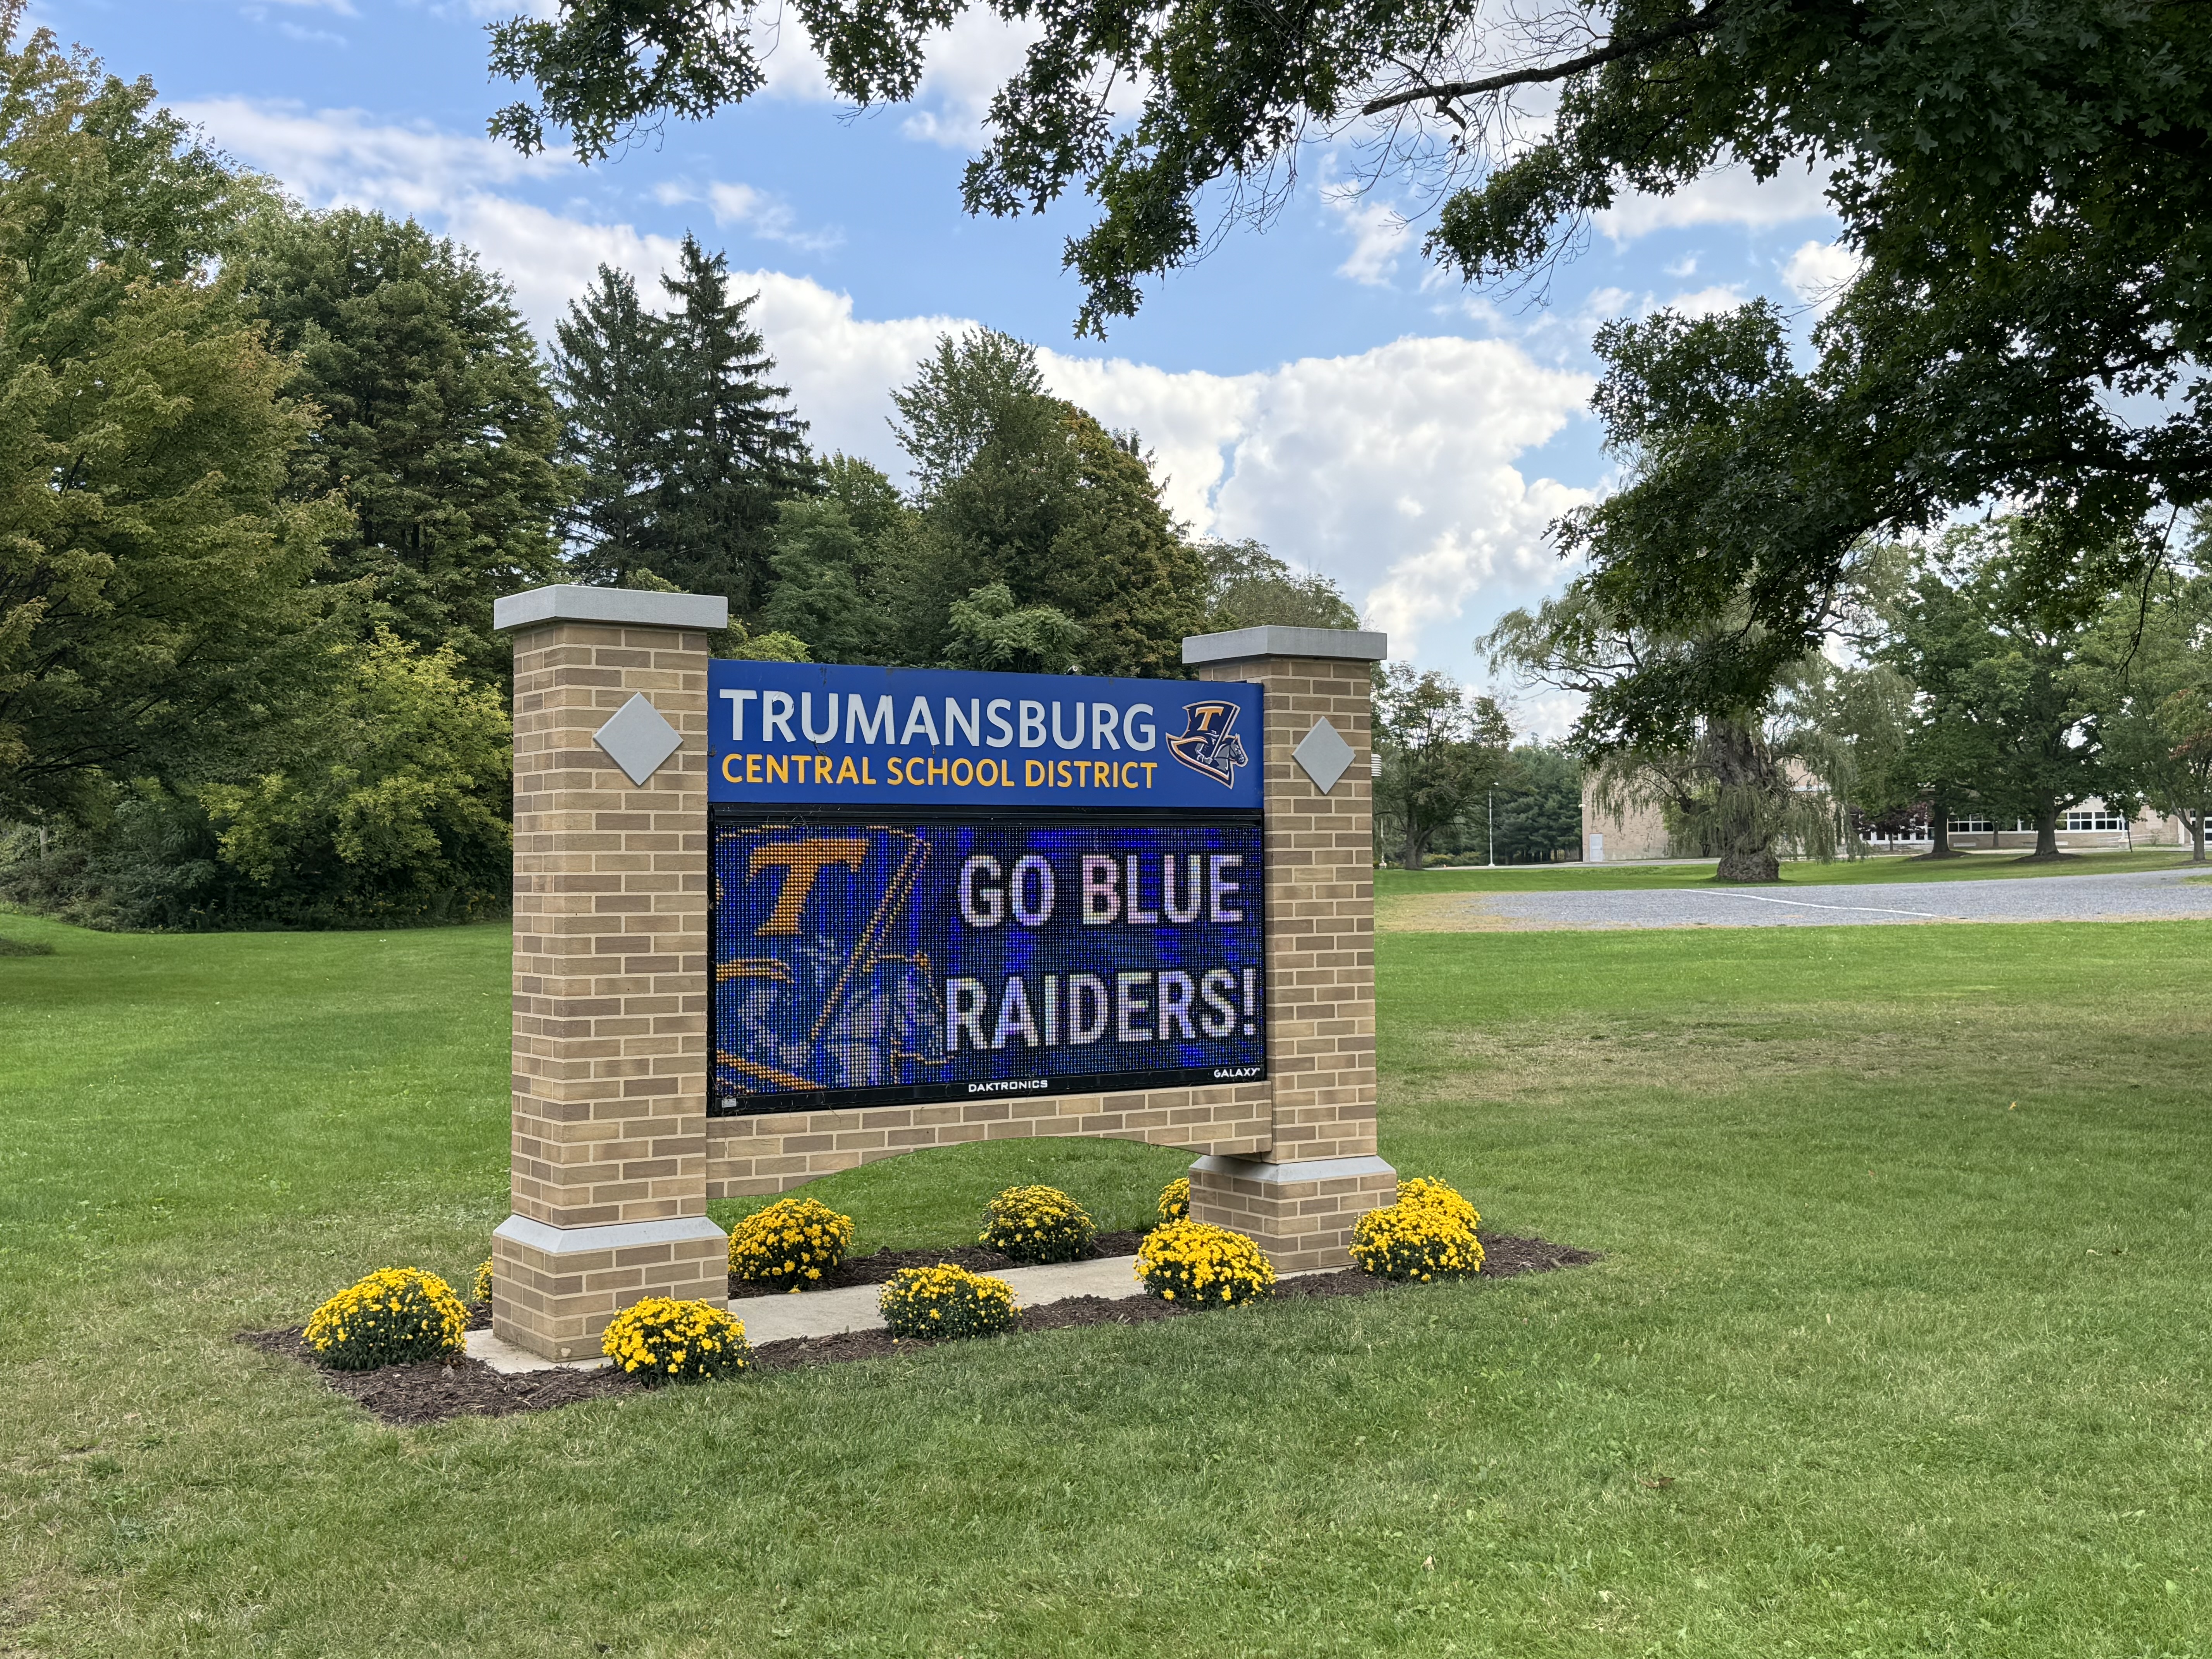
(786, 733)
(861, 963)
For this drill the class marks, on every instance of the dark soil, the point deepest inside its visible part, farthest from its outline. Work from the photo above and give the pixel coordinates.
(407, 1396)
(876, 1269)
(431, 1392)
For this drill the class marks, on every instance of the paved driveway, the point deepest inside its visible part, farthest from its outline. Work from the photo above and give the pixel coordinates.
(2142, 896)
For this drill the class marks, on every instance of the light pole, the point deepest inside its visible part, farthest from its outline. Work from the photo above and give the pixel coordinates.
(1490, 823)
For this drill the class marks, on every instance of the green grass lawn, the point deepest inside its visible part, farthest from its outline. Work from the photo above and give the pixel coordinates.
(1901, 1346)
(1888, 867)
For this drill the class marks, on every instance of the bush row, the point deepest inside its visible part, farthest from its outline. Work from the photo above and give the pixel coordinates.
(399, 1314)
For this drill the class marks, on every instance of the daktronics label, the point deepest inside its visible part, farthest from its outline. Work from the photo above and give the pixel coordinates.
(907, 737)
(859, 963)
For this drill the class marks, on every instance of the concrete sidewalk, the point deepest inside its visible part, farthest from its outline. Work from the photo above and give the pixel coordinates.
(826, 1313)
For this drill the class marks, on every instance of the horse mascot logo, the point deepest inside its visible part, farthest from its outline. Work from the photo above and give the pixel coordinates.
(1209, 743)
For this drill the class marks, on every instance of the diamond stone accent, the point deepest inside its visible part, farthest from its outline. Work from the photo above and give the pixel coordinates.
(1322, 755)
(638, 739)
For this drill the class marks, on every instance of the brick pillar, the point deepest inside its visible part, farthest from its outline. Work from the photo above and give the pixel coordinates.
(1299, 1198)
(609, 1172)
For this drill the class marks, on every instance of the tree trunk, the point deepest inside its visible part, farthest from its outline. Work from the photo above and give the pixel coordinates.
(1742, 767)
(2195, 835)
(1939, 831)
(1747, 863)
(2047, 832)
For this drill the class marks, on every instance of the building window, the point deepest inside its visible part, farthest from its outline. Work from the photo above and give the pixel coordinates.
(2098, 817)
(1972, 827)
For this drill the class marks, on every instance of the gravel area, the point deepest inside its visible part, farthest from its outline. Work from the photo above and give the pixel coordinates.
(2139, 896)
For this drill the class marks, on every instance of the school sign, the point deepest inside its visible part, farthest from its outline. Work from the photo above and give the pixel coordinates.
(773, 920)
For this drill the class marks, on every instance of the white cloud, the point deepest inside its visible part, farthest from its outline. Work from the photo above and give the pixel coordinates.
(342, 8)
(1730, 196)
(550, 259)
(1543, 713)
(967, 65)
(1702, 302)
(340, 155)
(1378, 232)
(1818, 272)
(760, 212)
(767, 216)
(1391, 469)
(1394, 470)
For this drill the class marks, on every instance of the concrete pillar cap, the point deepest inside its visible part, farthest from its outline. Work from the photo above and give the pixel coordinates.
(626, 607)
(1344, 644)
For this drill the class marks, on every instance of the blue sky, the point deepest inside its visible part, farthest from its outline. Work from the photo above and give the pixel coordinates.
(1305, 385)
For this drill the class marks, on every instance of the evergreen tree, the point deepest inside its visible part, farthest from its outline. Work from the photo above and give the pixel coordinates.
(1540, 806)
(435, 426)
(686, 449)
(738, 448)
(608, 373)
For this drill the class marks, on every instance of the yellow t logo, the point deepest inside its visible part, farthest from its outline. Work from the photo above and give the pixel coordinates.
(803, 861)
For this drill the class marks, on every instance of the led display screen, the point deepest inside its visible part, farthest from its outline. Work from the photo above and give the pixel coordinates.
(857, 962)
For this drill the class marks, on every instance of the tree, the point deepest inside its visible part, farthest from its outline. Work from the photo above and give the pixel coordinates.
(151, 600)
(683, 447)
(393, 802)
(844, 564)
(1022, 491)
(1729, 778)
(968, 393)
(608, 372)
(2026, 190)
(435, 425)
(1539, 805)
(989, 630)
(2013, 721)
(737, 449)
(1248, 586)
(2153, 650)
(1440, 749)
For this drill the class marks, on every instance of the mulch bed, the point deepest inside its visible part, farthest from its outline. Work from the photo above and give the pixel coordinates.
(407, 1396)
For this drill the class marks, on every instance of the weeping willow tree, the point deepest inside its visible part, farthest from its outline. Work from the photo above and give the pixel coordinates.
(1744, 782)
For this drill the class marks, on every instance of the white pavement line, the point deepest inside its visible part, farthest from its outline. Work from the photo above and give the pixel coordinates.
(1806, 904)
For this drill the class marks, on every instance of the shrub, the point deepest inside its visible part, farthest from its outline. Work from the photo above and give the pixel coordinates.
(938, 1303)
(661, 1339)
(1203, 1265)
(1038, 1224)
(480, 1286)
(395, 1316)
(789, 1245)
(1426, 1192)
(1429, 1233)
(1175, 1200)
